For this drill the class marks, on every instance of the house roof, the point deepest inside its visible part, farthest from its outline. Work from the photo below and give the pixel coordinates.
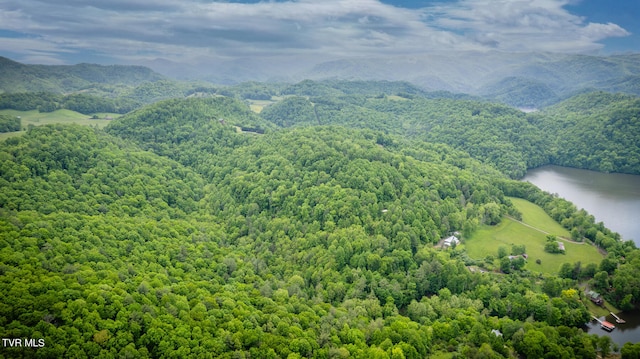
(451, 239)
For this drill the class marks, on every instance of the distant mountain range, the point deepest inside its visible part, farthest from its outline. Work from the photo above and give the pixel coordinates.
(525, 80)
(518, 79)
(522, 80)
(18, 77)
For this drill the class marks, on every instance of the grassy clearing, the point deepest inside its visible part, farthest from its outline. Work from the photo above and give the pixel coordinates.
(36, 118)
(599, 311)
(441, 355)
(258, 105)
(486, 240)
(535, 216)
(396, 98)
(5, 135)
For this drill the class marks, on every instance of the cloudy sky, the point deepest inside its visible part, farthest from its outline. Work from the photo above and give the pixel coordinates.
(132, 31)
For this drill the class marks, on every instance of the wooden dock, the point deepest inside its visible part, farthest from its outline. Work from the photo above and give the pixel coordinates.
(604, 324)
(618, 319)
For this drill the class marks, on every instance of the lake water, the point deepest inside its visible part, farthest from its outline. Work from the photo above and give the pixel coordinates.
(611, 198)
(627, 332)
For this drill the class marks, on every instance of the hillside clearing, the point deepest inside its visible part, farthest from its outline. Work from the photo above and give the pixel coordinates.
(36, 118)
(487, 239)
(535, 216)
(258, 105)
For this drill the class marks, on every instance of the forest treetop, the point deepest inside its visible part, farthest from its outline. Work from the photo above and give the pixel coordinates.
(196, 227)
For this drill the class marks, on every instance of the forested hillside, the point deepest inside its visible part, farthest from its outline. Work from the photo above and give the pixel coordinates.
(507, 138)
(49, 102)
(520, 92)
(88, 88)
(197, 228)
(598, 131)
(17, 77)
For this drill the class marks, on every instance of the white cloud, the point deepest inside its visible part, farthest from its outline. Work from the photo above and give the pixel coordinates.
(130, 29)
(602, 31)
(523, 25)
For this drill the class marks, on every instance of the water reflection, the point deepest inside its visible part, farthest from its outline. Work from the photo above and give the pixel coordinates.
(628, 332)
(612, 198)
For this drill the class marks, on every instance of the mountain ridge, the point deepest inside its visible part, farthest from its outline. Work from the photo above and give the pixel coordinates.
(19, 77)
(532, 80)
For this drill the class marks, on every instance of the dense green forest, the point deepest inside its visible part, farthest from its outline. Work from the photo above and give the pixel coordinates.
(597, 130)
(9, 123)
(197, 228)
(82, 103)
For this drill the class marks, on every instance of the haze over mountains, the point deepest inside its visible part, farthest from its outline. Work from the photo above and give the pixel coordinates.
(17, 77)
(519, 79)
(546, 77)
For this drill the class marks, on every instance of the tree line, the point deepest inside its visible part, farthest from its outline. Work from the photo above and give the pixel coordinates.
(49, 102)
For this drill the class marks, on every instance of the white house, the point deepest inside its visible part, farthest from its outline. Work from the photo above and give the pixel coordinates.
(449, 241)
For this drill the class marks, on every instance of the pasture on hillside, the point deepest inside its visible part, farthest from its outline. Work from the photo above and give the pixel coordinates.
(36, 118)
(531, 233)
(258, 105)
(535, 216)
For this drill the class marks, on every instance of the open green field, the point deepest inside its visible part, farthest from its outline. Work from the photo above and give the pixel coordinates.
(396, 98)
(257, 105)
(59, 116)
(535, 216)
(486, 240)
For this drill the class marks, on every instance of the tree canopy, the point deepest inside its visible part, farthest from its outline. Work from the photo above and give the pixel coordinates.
(197, 228)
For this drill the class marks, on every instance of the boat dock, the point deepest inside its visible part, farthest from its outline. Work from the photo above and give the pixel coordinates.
(618, 319)
(604, 324)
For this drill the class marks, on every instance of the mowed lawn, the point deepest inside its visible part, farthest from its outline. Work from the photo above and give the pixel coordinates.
(535, 216)
(59, 116)
(486, 240)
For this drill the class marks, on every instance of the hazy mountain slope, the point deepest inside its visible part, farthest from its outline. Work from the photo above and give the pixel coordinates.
(520, 92)
(17, 77)
(488, 74)
(518, 79)
(549, 77)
